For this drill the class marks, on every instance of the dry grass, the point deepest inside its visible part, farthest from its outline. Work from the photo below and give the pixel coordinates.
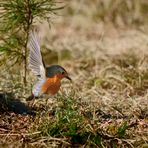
(107, 104)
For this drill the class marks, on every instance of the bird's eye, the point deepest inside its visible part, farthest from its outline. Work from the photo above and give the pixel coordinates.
(63, 73)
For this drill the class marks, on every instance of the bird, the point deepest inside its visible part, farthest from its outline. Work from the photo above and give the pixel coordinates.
(48, 78)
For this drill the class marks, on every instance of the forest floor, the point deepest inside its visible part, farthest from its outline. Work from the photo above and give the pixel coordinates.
(105, 106)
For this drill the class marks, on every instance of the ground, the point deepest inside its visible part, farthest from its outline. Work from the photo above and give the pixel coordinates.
(107, 103)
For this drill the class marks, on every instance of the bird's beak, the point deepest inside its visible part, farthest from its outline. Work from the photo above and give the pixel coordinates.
(67, 77)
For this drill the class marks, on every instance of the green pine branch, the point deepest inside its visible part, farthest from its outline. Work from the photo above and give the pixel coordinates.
(17, 18)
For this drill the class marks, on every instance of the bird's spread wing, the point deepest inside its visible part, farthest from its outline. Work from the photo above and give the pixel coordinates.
(35, 57)
(36, 62)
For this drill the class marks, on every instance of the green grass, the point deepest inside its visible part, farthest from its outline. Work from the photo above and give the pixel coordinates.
(71, 122)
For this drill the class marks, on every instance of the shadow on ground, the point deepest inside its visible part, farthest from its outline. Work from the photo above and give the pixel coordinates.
(8, 103)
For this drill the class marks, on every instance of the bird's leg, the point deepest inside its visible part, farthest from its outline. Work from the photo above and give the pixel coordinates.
(46, 100)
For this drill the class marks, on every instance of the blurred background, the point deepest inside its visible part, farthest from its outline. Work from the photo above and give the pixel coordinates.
(87, 36)
(87, 26)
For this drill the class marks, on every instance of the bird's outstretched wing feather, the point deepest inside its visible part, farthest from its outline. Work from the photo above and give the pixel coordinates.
(35, 57)
(36, 62)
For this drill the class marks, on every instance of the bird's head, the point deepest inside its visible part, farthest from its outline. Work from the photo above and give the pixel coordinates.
(57, 70)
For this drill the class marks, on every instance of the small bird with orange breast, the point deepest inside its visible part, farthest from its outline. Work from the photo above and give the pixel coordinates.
(49, 78)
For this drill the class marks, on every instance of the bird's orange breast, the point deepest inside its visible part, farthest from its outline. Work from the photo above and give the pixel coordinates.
(51, 85)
